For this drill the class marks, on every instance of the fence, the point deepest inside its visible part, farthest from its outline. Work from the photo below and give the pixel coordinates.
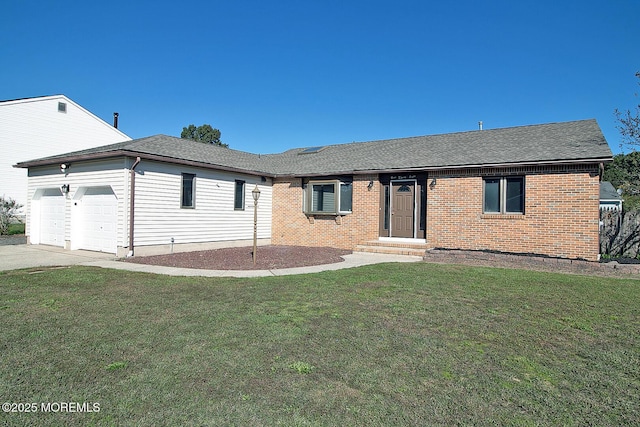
(620, 233)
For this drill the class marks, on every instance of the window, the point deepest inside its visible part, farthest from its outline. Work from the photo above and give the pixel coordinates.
(188, 191)
(328, 197)
(503, 195)
(62, 107)
(238, 199)
(387, 204)
(346, 196)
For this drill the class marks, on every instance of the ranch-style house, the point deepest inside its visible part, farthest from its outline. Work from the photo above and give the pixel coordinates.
(528, 189)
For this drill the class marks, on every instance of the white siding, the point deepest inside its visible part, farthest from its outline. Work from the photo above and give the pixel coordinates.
(87, 174)
(159, 217)
(33, 128)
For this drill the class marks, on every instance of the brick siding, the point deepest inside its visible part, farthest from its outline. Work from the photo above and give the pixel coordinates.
(291, 226)
(560, 220)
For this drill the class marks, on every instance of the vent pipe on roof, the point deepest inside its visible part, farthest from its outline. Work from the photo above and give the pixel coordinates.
(115, 120)
(480, 125)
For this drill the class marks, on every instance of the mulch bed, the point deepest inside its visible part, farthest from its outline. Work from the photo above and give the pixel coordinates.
(532, 262)
(268, 258)
(278, 257)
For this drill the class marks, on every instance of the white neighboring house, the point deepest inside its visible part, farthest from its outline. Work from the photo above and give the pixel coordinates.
(186, 195)
(610, 199)
(44, 126)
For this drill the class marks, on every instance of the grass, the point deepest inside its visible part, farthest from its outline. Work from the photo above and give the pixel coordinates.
(17, 228)
(383, 345)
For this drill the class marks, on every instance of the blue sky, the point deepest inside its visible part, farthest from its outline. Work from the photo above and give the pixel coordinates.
(273, 75)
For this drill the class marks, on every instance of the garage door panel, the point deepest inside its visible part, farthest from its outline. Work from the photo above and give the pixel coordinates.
(98, 222)
(52, 216)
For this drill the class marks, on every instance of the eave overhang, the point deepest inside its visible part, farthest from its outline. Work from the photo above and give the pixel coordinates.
(143, 156)
(271, 174)
(592, 161)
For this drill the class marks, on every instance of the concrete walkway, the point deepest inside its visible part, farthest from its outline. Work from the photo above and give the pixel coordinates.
(29, 256)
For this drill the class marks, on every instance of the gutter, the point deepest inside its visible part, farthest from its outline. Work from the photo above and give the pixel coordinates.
(132, 196)
(599, 160)
(146, 156)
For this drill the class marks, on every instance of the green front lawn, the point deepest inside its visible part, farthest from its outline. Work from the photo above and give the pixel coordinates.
(390, 344)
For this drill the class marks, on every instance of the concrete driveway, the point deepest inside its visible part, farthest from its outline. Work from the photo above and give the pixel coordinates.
(13, 257)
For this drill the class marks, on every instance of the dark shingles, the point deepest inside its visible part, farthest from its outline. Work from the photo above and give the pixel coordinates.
(555, 142)
(608, 192)
(570, 141)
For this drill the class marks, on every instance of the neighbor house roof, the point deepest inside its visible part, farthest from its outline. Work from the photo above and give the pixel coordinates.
(567, 142)
(608, 192)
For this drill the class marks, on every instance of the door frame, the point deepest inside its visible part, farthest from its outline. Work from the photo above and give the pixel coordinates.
(36, 215)
(414, 181)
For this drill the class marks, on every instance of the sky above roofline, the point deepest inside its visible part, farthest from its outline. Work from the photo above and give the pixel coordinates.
(278, 75)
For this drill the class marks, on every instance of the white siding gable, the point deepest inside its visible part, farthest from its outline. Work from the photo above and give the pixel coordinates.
(34, 128)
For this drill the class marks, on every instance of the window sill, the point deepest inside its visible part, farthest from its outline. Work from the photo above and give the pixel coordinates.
(337, 217)
(327, 213)
(502, 216)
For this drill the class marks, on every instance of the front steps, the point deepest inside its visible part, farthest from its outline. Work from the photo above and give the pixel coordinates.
(393, 247)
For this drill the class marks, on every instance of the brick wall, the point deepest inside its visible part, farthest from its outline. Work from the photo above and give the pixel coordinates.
(560, 220)
(291, 226)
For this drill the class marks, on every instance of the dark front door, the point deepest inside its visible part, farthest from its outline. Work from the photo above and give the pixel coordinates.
(402, 209)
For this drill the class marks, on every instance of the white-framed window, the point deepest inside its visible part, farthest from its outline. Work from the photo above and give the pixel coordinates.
(328, 197)
(503, 195)
(188, 194)
(238, 198)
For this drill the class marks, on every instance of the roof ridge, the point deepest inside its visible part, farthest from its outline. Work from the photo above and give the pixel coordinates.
(27, 98)
(574, 141)
(468, 131)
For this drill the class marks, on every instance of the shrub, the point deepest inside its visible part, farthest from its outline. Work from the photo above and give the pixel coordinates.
(8, 213)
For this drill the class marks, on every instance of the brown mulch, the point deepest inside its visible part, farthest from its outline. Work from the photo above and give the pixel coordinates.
(268, 258)
(537, 263)
(278, 257)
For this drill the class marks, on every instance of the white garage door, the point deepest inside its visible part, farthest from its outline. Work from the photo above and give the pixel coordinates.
(98, 220)
(52, 207)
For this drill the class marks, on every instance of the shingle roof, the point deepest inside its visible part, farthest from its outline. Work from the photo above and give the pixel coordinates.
(576, 141)
(607, 192)
(556, 142)
(168, 148)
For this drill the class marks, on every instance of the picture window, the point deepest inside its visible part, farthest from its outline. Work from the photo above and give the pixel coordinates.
(333, 197)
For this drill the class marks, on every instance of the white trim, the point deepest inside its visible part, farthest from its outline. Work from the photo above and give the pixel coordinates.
(337, 185)
(402, 239)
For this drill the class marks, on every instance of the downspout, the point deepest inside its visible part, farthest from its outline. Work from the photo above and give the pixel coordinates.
(132, 196)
